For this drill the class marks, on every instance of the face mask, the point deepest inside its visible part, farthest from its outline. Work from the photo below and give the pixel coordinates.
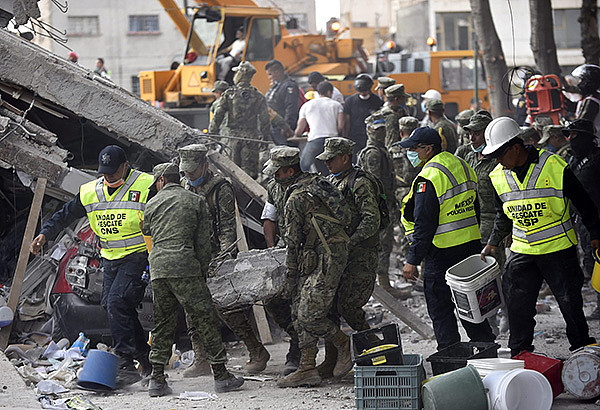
(581, 146)
(196, 182)
(364, 97)
(550, 147)
(423, 106)
(413, 157)
(481, 147)
(118, 182)
(338, 174)
(285, 181)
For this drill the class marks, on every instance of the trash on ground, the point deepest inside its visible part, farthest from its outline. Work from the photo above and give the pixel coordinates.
(50, 387)
(197, 395)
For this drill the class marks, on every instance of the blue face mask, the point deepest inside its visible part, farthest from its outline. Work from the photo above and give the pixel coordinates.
(196, 182)
(413, 157)
(481, 147)
(423, 106)
(338, 174)
(550, 147)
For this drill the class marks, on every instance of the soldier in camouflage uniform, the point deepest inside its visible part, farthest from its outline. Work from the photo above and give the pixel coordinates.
(177, 220)
(247, 117)
(361, 192)
(377, 160)
(539, 123)
(553, 140)
(391, 112)
(223, 239)
(382, 84)
(441, 123)
(315, 214)
(464, 142)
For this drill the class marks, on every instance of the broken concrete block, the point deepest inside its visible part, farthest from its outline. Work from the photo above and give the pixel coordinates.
(256, 275)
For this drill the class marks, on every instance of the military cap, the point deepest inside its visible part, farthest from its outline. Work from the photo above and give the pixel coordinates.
(245, 68)
(164, 169)
(435, 105)
(464, 116)
(550, 130)
(408, 123)
(384, 82)
(529, 134)
(541, 121)
(281, 156)
(478, 121)
(336, 146)
(191, 156)
(220, 86)
(396, 90)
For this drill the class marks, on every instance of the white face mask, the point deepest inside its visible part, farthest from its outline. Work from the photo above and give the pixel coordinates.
(364, 97)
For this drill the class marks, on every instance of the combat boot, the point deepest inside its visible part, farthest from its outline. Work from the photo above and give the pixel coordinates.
(344, 359)
(325, 369)
(200, 367)
(158, 384)
(225, 381)
(307, 374)
(384, 282)
(292, 359)
(258, 360)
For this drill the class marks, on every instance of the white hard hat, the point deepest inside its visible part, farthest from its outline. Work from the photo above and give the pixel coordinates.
(432, 94)
(499, 132)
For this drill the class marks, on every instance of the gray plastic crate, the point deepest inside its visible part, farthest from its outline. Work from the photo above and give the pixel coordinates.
(390, 387)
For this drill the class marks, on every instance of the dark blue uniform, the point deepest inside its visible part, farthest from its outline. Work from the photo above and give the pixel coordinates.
(283, 97)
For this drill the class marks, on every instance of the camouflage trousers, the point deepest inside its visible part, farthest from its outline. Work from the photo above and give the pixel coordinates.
(356, 286)
(245, 155)
(194, 296)
(315, 296)
(386, 239)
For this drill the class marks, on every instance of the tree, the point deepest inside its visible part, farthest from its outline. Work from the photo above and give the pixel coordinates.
(542, 37)
(590, 42)
(493, 58)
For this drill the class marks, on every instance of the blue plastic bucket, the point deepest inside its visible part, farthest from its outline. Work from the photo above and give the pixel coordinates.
(99, 371)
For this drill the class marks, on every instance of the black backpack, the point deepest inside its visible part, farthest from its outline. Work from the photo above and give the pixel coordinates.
(384, 212)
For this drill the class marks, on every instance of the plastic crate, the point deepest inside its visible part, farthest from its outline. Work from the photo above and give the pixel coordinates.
(390, 387)
(549, 367)
(455, 356)
(368, 339)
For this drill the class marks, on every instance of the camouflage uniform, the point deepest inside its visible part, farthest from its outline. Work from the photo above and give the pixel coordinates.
(220, 86)
(444, 127)
(374, 158)
(552, 130)
(177, 220)
(382, 84)
(317, 251)
(391, 115)
(248, 117)
(220, 199)
(464, 142)
(358, 279)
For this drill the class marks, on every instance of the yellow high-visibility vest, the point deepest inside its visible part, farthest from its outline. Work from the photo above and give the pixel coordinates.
(537, 206)
(455, 185)
(115, 218)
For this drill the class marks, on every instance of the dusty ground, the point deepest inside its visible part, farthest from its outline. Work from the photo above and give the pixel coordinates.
(264, 394)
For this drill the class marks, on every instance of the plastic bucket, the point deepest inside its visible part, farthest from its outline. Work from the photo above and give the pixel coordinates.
(496, 364)
(470, 268)
(549, 367)
(596, 272)
(581, 373)
(480, 296)
(518, 389)
(458, 390)
(99, 371)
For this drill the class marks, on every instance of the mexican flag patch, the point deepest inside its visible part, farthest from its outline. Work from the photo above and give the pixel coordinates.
(422, 186)
(134, 196)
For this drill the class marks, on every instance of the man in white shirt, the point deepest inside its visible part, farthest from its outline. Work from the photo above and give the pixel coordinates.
(315, 78)
(325, 118)
(231, 54)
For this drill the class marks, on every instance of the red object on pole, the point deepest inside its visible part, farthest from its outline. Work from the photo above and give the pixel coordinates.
(543, 95)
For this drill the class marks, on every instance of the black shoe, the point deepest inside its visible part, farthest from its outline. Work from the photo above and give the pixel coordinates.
(229, 384)
(158, 389)
(127, 373)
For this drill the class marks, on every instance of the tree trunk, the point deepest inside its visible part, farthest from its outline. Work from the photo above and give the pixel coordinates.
(590, 42)
(542, 37)
(493, 58)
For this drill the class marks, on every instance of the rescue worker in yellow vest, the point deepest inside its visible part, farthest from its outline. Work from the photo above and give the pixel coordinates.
(533, 188)
(440, 215)
(114, 204)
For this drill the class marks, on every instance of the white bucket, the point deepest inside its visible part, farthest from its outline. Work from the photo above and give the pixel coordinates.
(519, 389)
(478, 295)
(487, 366)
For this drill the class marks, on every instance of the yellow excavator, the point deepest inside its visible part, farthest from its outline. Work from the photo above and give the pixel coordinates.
(212, 31)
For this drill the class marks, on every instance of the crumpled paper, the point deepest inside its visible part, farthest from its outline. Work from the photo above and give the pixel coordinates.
(197, 395)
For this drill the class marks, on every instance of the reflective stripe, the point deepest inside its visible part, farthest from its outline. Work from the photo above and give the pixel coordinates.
(135, 174)
(531, 194)
(465, 167)
(104, 206)
(100, 191)
(445, 170)
(511, 180)
(537, 169)
(123, 243)
(456, 225)
(544, 234)
(457, 190)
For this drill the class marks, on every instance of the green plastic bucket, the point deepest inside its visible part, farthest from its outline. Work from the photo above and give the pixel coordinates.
(458, 390)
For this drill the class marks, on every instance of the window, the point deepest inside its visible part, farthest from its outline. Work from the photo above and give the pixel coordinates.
(359, 24)
(260, 41)
(135, 85)
(457, 74)
(567, 30)
(301, 20)
(454, 31)
(143, 24)
(83, 26)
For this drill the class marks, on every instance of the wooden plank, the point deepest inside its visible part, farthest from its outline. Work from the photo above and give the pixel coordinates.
(402, 312)
(17, 283)
(238, 176)
(262, 324)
